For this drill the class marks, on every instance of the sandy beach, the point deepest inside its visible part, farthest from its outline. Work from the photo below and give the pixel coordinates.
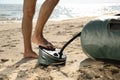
(78, 65)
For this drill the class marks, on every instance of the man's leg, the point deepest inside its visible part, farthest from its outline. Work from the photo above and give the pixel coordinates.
(28, 13)
(44, 14)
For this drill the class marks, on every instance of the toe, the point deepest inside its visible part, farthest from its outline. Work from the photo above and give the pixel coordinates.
(48, 46)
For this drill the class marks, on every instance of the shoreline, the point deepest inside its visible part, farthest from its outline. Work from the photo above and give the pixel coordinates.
(62, 19)
(15, 20)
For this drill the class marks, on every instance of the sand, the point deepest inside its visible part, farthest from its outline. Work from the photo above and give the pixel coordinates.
(78, 65)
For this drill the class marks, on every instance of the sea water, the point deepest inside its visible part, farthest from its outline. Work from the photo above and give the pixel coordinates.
(62, 11)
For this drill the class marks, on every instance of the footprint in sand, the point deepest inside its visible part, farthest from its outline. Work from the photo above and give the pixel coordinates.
(12, 45)
(5, 45)
(3, 61)
(1, 50)
(3, 77)
(8, 45)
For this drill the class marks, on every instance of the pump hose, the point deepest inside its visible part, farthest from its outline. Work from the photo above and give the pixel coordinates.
(61, 51)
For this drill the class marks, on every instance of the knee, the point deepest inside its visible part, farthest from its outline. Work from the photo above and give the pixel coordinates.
(54, 2)
(29, 12)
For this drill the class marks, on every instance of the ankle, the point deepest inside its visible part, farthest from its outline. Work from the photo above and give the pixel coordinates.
(38, 35)
(27, 51)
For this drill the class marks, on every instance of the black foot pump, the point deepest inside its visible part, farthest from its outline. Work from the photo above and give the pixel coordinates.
(56, 57)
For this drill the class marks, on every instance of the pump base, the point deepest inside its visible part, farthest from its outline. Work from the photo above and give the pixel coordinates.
(47, 57)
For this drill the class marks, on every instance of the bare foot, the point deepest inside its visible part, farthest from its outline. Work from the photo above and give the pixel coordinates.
(30, 54)
(41, 41)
